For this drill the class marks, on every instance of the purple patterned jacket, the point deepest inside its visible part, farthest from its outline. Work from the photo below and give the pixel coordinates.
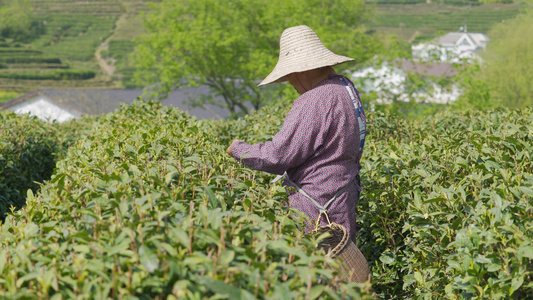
(318, 147)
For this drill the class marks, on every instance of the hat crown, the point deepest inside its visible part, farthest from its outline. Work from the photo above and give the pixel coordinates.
(301, 50)
(298, 40)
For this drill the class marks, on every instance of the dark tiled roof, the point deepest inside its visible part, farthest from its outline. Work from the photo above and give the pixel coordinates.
(101, 101)
(429, 69)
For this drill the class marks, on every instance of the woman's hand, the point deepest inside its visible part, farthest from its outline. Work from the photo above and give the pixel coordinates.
(230, 148)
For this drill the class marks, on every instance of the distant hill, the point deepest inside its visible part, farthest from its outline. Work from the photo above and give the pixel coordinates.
(83, 44)
(415, 19)
(86, 43)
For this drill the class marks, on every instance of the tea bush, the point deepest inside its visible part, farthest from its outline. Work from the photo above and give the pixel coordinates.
(446, 207)
(27, 147)
(67, 74)
(149, 206)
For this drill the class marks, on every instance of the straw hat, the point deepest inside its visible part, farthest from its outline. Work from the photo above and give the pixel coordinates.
(301, 50)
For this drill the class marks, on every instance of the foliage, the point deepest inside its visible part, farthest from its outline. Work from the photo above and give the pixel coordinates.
(66, 32)
(68, 74)
(230, 45)
(16, 59)
(27, 148)
(17, 21)
(447, 209)
(8, 95)
(480, 20)
(149, 206)
(507, 59)
(447, 203)
(503, 78)
(120, 51)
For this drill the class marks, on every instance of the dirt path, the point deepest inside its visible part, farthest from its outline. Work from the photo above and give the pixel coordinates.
(108, 64)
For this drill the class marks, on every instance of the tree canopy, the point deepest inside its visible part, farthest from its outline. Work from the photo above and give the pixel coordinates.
(16, 19)
(505, 78)
(231, 45)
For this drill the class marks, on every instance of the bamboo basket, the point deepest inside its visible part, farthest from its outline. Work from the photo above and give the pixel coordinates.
(354, 267)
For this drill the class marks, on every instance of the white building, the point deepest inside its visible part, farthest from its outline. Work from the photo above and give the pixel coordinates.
(433, 59)
(61, 105)
(454, 47)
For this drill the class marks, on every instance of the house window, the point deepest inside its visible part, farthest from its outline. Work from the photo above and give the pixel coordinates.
(465, 42)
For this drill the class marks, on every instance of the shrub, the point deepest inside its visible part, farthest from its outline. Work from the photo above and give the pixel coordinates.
(27, 147)
(446, 211)
(30, 59)
(149, 206)
(446, 207)
(67, 74)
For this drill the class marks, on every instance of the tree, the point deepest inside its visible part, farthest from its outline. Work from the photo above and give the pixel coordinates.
(505, 77)
(16, 19)
(231, 45)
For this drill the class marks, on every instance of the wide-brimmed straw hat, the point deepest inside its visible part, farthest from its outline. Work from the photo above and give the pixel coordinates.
(301, 50)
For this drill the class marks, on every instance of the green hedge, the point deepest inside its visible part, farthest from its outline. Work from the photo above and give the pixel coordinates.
(447, 206)
(68, 74)
(480, 20)
(18, 51)
(148, 206)
(27, 148)
(30, 59)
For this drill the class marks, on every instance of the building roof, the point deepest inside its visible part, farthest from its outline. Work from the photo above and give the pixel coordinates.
(101, 101)
(451, 38)
(429, 68)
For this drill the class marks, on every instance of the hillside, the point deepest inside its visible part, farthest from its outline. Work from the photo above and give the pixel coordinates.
(72, 49)
(413, 21)
(86, 43)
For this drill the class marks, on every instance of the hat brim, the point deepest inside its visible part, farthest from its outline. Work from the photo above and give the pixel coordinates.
(279, 74)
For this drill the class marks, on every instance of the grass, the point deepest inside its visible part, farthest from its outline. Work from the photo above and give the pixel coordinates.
(8, 95)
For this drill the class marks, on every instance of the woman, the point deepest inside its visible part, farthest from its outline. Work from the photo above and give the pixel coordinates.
(321, 141)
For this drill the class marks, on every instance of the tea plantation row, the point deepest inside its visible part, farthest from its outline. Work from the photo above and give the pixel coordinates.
(148, 205)
(447, 207)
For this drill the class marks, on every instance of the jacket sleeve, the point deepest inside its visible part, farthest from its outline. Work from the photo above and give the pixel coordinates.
(302, 133)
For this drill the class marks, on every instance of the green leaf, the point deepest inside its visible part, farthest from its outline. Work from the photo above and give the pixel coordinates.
(516, 283)
(181, 235)
(316, 291)
(494, 267)
(227, 257)
(387, 258)
(170, 177)
(148, 259)
(526, 190)
(220, 287)
(213, 202)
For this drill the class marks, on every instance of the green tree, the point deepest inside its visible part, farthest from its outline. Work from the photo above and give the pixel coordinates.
(230, 45)
(505, 78)
(16, 19)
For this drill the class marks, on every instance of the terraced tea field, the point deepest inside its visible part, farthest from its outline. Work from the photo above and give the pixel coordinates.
(73, 31)
(409, 20)
(88, 37)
